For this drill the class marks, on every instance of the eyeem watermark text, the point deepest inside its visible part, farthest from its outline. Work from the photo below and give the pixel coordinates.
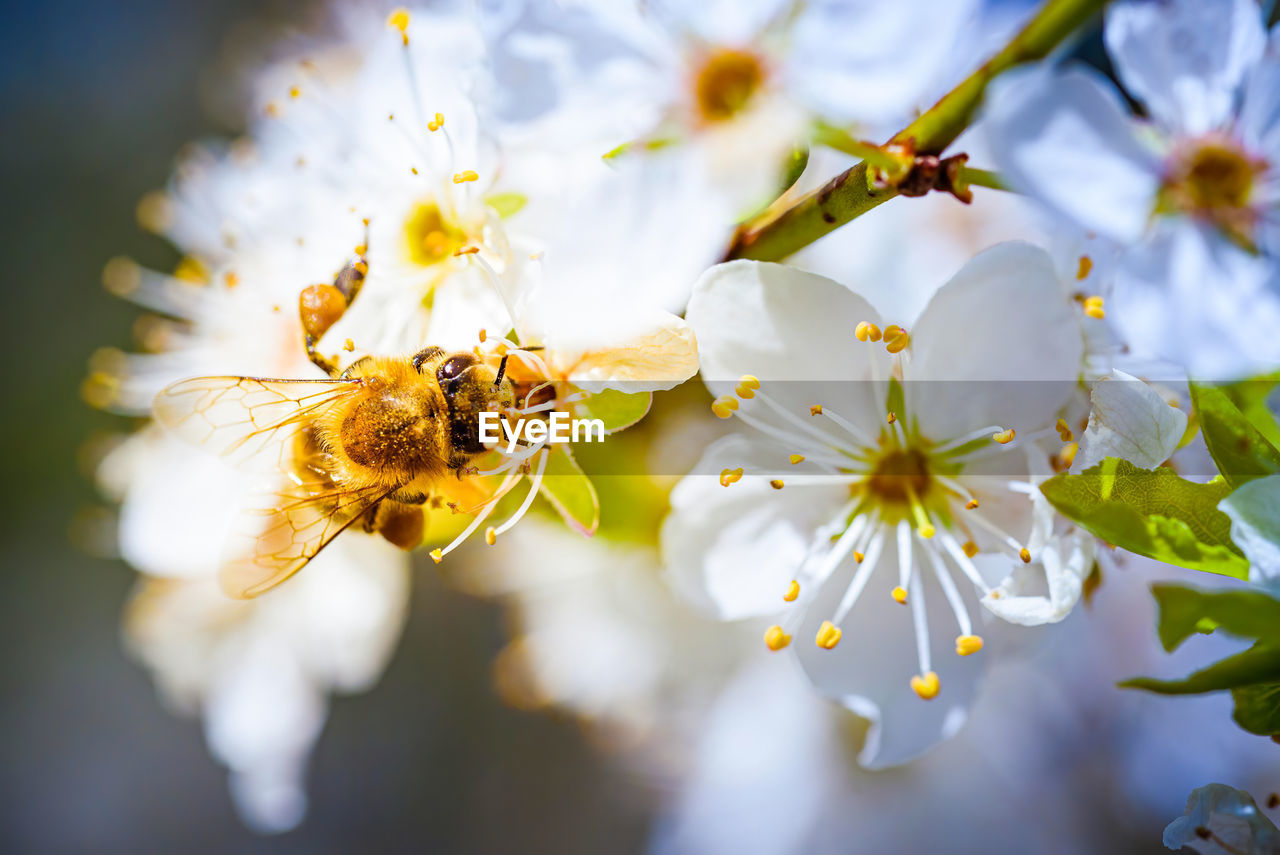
(557, 428)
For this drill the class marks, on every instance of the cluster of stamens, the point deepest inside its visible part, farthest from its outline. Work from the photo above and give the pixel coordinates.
(900, 485)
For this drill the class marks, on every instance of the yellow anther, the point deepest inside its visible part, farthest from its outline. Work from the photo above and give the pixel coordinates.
(465, 250)
(1025, 555)
(828, 635)
(465, 176)
(898, 343)
(927, 686)
(272, 109)
(1084, 267)
(724, 406)
(121, 276)
(742, 390)
(483, 336)
(892, 330)
(776, 484)
(1004, 437)
(490, 535)
(294, 91)
(775, 638)
(927, 531)
(1094, 307)
(892, 417)
(967, 645)
(348, 345)
(750, 381)
(793, 591)
(865, 331)
(1064, 431)
(970, 548)
(437, 555)
(436, 123)
(971, 505)
(729, 476)
(796, 458)
(815, 410)
(1068, 452)
(858, 556)
(399, 20)
(899, 595)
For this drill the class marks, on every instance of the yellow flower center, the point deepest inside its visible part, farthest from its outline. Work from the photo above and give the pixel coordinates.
(725, 83)
(1214, 179)
(430, 236)
(897, 475)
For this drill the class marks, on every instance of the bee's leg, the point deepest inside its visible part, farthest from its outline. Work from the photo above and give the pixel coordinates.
(321, 306)
(355, 365)
(369, 519)
(425, 355)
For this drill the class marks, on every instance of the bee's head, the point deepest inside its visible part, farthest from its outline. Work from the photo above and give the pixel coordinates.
(472, 387)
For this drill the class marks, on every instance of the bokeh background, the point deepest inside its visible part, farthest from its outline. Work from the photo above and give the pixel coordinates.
(97, 98)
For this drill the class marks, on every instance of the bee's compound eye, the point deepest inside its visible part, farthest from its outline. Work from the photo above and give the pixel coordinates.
(454, 366)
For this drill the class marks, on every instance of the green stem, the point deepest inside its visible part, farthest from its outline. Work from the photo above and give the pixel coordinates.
(841, 140)
(775, 236)
(982, 178)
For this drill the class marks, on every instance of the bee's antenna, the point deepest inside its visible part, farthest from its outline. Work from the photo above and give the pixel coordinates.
(502, 370)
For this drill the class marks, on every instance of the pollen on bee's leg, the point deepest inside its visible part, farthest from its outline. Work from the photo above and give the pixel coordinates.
(724, 406)
(967, 645)
(775, 638)
(319, 308)
(1005, 436)
(747, 386)
(926, 686)
(793, 591)
(828, 635)
(899, 595)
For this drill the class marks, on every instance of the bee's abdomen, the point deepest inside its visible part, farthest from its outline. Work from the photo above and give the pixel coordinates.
(392, 431)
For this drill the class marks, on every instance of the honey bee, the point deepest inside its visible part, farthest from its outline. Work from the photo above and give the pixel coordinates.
(370, 443)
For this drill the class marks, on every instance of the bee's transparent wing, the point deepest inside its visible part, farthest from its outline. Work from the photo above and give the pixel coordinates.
(287, 529)
(243, 418)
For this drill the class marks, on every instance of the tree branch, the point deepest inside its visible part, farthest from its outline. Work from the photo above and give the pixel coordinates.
(776, 235)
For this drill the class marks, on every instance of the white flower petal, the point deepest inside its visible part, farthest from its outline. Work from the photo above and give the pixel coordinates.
(1185, 59)
(870, 670)
(1046, 591)
(997, 345)
(733, 550)
(635, 349)
(1191, 297)
(873, 78)
(1254, 509)
(1230, 815)
(1065, 138)
(782, 324)
(1129, 420)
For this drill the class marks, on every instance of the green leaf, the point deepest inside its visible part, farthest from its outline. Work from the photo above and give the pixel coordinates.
(570, 491)
(507, 204)
(618, 410)
(1246, 613)
(1250, 396)
(1240, 451)
(1258, 708)
(1151, 512)
(1259, 664)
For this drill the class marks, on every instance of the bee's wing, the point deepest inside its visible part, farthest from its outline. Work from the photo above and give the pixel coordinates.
(300, 520)
(240, 417)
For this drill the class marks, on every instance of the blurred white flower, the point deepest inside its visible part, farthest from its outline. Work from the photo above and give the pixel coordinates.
(920, 457)
(728, 90)
(1254, 509)
(1221, 820)
(259, 672)
(1193, 194)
